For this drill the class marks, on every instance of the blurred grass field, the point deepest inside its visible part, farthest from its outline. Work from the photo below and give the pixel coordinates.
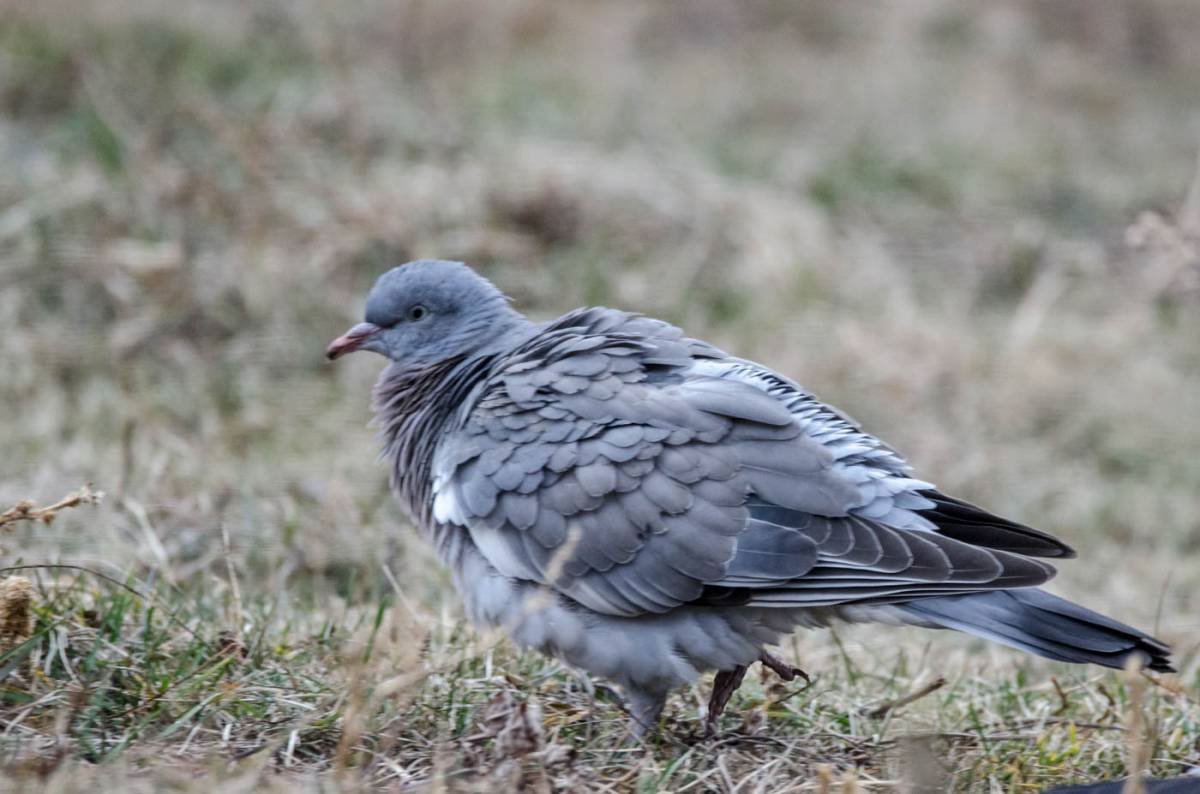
(963, 223)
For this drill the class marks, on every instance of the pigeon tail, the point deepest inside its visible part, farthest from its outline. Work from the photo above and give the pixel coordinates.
(1033, 620)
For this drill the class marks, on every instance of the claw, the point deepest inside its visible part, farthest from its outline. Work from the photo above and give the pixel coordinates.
(727, 682)
(785, 671)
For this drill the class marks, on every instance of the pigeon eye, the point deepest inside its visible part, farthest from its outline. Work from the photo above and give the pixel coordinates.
(417, 312)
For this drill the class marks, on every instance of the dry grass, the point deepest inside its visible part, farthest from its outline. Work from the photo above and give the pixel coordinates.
(26, 510)
(955, 221)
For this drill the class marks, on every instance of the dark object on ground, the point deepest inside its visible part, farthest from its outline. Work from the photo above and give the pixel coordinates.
(1188, 784)
(648, 508)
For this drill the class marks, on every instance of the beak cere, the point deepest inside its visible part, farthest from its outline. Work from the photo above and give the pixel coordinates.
(352, 340)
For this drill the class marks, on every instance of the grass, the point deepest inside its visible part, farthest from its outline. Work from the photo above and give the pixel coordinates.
(956, 224)
(120, 677)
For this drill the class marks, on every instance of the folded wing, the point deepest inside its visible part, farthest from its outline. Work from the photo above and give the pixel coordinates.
(635, 471)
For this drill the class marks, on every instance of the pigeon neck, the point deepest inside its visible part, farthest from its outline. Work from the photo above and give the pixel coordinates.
(412, 407)
(506, 330)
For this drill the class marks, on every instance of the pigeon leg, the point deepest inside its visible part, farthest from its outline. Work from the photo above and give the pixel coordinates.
(725, 684)
(785, 671)
(644, 710)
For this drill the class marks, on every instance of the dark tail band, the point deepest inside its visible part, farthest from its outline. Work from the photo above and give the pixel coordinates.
(1038, 622)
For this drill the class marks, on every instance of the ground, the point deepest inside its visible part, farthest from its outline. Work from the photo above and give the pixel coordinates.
(964, 224)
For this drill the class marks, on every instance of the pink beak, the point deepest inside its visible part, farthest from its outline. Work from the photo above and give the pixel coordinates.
(352, 340)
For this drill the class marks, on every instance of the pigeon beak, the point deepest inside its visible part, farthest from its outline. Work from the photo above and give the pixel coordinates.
(352, 340)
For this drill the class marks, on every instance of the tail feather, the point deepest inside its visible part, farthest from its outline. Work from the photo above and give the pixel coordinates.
(1036, 621)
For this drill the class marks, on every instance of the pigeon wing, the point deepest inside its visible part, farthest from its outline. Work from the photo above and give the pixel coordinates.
(617, 462)
(593, 462)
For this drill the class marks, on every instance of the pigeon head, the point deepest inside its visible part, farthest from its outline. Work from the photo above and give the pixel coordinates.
(428, 311)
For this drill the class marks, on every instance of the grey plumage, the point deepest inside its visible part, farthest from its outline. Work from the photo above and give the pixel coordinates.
(684, 507)
(1036, 621)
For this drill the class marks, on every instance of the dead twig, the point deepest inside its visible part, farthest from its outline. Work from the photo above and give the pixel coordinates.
(25, 510)
(239, 615)
(1064, 704)
(885, 708)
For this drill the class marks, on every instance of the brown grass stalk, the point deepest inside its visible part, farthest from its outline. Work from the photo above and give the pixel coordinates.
(27, 510)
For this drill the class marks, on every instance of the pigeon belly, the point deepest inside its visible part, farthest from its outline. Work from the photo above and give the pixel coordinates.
(649, 654)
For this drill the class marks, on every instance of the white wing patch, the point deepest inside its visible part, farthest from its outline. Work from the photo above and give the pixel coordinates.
(447, 509)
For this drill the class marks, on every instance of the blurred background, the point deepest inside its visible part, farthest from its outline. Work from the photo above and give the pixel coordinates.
(967, 224)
